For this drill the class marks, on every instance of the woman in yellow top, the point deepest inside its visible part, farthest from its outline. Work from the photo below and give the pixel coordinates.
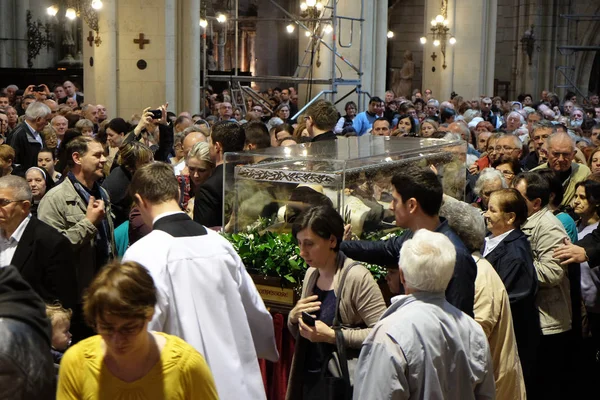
(125, 361)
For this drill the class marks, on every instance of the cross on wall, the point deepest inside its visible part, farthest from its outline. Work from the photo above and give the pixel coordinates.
(90, 39)
(141, 41)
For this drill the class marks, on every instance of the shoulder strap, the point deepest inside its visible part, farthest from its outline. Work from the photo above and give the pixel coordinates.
(337, 320)
(337, 327)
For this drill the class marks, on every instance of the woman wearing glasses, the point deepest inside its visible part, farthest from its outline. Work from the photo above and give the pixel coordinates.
(509, 169)
(125, 361)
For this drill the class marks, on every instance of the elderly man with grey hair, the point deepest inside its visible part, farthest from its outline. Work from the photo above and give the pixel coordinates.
(560, 150)
(406, 355)
(514, 121)
(432, 108)
(492, 305)
(27, 139)
(489, 181)
(60, 125)
(40, 253)
(508, 147)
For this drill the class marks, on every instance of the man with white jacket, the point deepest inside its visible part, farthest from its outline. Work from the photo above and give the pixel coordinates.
(206, 297)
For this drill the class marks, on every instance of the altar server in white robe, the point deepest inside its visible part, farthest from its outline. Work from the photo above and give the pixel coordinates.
(206, 297)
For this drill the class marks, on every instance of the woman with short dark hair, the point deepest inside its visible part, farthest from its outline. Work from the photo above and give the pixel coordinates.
(509, 252)
(319, 231)
(125, 361)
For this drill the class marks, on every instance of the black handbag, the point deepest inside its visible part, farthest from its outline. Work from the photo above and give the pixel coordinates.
(335, 381)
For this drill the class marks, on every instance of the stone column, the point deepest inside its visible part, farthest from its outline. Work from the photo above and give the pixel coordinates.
(101, 80)
(243, 57)
(374, 49)
(252, 51)
(221, 40)
(20, 33)
(188, 82)
(470, 63)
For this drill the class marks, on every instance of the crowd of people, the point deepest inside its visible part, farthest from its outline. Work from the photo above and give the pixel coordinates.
(110, 257)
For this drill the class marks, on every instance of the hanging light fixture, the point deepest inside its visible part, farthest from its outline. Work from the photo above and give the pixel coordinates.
(52, 11)
(73, 9)
(290, 28)
(440, 34)
(390, 34)
(71, 13)
(203, 23)
(221, 18)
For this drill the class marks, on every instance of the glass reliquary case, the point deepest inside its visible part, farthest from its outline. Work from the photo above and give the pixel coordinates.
(270, 187)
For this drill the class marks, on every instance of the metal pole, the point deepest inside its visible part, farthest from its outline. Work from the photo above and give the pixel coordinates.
(321, 93)
(319, 38)
(236, 37)
(361, 101)
(334, 50)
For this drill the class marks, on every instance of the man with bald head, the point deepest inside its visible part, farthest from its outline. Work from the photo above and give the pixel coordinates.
(52, 105)
(71, 91)
(102, 116)
(188, 142)
(561, 152)
(90, 112)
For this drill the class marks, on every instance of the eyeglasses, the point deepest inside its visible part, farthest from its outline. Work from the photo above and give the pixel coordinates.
(5, 202)
(505, 148)
(565, 155)
(506, 173)
(128, 330)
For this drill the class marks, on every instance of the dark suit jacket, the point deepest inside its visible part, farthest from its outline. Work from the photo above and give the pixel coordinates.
(117, 186)
(78, 97)
(45, 260)
(513, 261)
(591, 244)
(208, 204)
(26, 149)
(461, 288)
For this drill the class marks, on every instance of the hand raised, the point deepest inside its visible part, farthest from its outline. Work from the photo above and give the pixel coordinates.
(307, 304)
(95, 210)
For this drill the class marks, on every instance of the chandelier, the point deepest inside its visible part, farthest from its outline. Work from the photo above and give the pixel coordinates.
(311, 10)
(88, 9)
(440, 34)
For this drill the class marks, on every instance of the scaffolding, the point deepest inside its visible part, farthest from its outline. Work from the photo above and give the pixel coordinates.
(568, 71)
(302, 75)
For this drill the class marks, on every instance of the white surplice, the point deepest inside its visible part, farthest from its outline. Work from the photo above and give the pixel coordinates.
(207, 298)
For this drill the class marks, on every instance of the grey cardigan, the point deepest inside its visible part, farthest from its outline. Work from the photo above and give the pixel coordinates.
(361, 306)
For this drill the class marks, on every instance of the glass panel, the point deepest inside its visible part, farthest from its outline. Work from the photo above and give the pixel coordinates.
(353, 174)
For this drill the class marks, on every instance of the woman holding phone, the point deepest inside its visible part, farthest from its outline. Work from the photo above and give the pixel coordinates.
(319, 231)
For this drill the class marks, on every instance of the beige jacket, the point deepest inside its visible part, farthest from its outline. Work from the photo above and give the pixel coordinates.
(64, 209)
(361, 306)
(545, 232)
(579, 173)
(492, 312)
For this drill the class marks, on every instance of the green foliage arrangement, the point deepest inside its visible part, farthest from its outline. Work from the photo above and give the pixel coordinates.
(270, 254)
(276, 254)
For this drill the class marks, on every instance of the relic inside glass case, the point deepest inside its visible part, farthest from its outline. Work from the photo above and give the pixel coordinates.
(270, 187)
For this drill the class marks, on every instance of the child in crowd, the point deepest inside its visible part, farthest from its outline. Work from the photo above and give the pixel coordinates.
(60, 319)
